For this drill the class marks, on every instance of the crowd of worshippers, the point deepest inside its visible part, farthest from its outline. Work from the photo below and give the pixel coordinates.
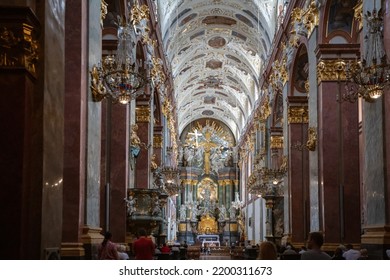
(145, 248)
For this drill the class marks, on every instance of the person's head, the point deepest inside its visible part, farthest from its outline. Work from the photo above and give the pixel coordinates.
(107, 236)
(121, 248)
(315, 240)
(267, 251)
(141, 232)
(364, 253)
(349, 246)
(338, 252)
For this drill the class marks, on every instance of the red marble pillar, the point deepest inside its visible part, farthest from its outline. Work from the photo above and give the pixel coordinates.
(22, 133)
(142, 165)
(119, 168)
(74, 130)
(158, 144)
(338, 166)
(299, 179)
(386, 114)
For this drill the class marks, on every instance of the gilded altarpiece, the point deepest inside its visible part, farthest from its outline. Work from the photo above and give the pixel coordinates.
(207, 172)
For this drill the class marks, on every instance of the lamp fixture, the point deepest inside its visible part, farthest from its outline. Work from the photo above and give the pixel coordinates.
(171, 176)
(371, 75)
(264, 181)
(121, 77)
(172, 185)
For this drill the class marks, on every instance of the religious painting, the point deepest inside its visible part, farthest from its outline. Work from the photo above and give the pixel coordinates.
(207, 189)
(341, 15)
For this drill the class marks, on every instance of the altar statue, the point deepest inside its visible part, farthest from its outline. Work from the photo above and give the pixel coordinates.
(207, 145)
(222, 213)
(183, 212)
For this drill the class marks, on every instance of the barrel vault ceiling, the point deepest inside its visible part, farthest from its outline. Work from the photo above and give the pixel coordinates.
(216, 49)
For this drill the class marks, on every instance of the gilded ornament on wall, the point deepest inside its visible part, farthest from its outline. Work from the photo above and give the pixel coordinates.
(277, 142)
(157, 141)
(103, 12)
(312, 139)
(359, 13)
(19, 51)
(142, 114)
(331, 70)
(298, 115)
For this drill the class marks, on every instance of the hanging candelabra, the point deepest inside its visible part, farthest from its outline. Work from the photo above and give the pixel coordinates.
(264, 180)
(121, 77)
(371, 75)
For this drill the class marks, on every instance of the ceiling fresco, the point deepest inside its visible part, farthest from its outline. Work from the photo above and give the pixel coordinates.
(216, 50)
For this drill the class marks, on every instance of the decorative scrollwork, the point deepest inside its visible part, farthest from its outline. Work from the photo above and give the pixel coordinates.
(312, 139)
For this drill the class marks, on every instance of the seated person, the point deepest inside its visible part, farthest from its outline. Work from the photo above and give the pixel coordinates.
(165, 249)
(122, 252)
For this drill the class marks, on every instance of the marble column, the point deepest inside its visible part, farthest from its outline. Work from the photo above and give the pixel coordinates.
(75, 130)
(119, 151)
(221, 188)
(298, 172)
(143, 161)
(91, 231)
(338, 165)
(22, 173)
(158, 144)
(376, 131)
(228, 197)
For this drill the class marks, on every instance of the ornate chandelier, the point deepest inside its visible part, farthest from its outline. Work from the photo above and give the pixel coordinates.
(264, 180)
(371, 75)
(121, 77)
(171, 178)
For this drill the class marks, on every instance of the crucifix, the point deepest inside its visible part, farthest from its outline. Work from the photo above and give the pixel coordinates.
(196, 135)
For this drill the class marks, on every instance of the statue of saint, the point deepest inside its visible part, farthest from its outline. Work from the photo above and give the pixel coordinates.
(232, 212)
(183, 212)
(207, 145)
(134, 139)
(222, 213)
(130, 203)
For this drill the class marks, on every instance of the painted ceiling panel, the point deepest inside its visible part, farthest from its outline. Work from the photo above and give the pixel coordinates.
(216, 50)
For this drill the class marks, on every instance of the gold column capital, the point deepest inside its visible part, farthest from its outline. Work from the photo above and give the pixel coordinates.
(186, 181)
(332, 70)
(142, 114)
(298, 115)
(157, 141)
(277, 142)
(228, 181)
(19, 47)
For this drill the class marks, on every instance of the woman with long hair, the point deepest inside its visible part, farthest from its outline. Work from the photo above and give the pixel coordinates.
(107, 250)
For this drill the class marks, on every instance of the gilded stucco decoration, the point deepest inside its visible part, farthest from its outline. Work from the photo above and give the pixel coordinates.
(305, 20)
(312, 139)
(142, 114)
(157, 141)
(359, 13)
(19, 51)
(140, 16)
(279, 75)
(332, 70)
(298, 115)
(276, 142)
(103, 12)
(264, 110)
(157, 72)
